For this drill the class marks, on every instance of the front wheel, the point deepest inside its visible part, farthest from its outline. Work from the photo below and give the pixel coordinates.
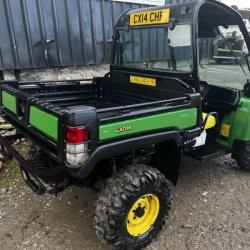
(242, 155)
(133, 207)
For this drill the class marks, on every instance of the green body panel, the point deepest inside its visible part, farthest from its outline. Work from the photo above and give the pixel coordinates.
(239, 121)
(9, 101)
(176, 120)
(44, 122)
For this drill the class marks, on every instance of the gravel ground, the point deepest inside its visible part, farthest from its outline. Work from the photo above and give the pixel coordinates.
(211, 210)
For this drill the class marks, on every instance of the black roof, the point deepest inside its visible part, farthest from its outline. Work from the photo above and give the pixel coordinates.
(182, 12)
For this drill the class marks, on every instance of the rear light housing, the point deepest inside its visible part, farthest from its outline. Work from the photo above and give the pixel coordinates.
(76, 146)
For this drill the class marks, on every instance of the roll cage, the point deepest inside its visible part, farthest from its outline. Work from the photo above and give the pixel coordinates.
(185, 13)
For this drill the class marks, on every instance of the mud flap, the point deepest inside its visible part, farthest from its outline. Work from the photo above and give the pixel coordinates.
(168, 159)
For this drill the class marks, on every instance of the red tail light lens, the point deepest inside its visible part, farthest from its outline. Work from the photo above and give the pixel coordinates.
(77, 135)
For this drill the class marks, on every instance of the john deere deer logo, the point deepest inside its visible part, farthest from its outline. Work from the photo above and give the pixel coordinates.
(123, 129)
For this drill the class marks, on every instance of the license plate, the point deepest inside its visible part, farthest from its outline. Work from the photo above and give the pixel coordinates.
(150, 17)
(143, 80)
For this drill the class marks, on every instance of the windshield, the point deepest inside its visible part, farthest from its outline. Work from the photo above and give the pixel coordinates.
(156, 48)
(222, 57)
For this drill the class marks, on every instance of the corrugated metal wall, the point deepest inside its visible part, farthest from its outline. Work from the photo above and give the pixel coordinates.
(52, 33)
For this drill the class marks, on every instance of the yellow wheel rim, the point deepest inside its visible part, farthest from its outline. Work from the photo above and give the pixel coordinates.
(142, 214)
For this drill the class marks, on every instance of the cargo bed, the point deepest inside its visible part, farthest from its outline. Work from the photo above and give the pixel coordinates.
(105, 99)
(41, 110)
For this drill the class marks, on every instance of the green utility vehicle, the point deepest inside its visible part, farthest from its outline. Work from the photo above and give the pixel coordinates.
(165, 96)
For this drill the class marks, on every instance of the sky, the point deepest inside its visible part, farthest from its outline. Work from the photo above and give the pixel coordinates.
(239, 3)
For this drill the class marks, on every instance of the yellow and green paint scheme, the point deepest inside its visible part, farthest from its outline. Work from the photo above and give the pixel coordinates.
(236, 125)
(175, 120)
(48, 123)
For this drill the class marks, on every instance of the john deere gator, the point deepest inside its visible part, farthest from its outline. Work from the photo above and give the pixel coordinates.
(164, 97)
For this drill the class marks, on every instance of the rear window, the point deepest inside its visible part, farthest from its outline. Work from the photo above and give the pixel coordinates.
(155, 48)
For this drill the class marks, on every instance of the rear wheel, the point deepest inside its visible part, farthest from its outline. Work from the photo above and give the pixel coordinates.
(242, 156)
(132, 207)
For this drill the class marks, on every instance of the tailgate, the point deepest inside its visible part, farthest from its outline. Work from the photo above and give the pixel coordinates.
(37, 120)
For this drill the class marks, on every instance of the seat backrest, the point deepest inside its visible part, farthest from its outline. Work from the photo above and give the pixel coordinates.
(221, 99)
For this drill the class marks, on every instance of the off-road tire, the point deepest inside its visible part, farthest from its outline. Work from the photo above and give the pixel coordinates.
(117, 198)
(243, 156)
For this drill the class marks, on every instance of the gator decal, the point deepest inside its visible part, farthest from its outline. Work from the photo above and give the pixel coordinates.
(175, 120)
(9, 101)
(123, 129)
(43, 121)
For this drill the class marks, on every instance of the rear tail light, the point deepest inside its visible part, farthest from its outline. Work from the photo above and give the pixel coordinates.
(77, 146)
(76, 135)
